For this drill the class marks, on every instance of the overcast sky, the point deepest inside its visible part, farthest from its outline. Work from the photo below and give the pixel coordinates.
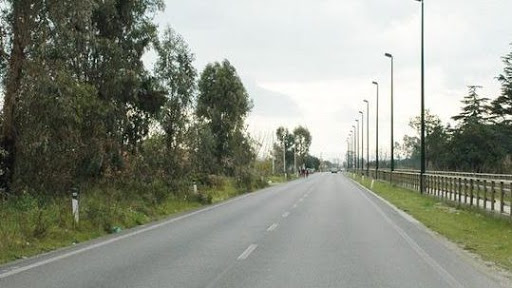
(312, 62)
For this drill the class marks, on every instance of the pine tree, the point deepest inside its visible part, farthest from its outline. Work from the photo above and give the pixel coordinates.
(502, 106)
(475, 107)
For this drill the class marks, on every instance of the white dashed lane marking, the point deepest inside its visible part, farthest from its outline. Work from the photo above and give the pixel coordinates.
(272, 227)
(247, 252)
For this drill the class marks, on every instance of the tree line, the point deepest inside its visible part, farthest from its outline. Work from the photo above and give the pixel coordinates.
(291, 150)
(480, 141)
(80, 106)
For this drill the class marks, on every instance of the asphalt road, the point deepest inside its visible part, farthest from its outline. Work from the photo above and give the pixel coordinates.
(324, 231)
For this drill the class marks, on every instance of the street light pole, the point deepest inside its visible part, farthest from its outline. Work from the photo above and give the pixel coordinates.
(284, 156)
(357, 145)
(392, 140)
(377, 131)
(354, 147)
(362, 141)
(367, 137)
(348, 153)
(423, 164)
(295, 158)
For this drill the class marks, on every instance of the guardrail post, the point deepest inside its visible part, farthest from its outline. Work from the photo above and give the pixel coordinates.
(466, 192)
(435, 185)
(445, 187)
(450, 189)
(460, 190)
(502, 197)
(485, 194)
(478, 193)
(471, 190)
(440, 186)
(493, 194)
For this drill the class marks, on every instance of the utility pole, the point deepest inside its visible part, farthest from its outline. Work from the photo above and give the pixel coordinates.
(284, 156)
(392, 140)
(362, 142)
(377, 132)
(367, 137)
(357, 145)
(295, 158)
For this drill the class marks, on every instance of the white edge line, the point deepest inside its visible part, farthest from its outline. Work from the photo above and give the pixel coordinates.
(286, 214)
(402, 213)
(415, 246)
(110, 241)
(247, 252)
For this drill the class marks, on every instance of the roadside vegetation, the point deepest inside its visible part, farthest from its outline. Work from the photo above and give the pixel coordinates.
(476, 231)
(82, 111)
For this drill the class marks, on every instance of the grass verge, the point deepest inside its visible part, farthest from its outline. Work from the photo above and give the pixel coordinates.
(31, 225)
(473, 230)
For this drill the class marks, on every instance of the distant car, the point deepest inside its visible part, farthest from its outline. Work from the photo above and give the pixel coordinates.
(334, 170)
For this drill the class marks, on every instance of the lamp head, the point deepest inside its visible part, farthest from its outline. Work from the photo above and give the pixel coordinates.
(388, 55)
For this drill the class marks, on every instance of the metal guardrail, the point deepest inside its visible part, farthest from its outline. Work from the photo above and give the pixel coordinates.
(491, 192)
(459, 174)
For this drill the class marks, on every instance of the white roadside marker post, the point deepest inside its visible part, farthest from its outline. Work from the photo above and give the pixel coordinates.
(75, 205)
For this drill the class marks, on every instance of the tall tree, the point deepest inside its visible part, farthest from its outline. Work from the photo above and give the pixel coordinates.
(502, 106)
(76, 92)
(176, 74)
(302, 138)
(223, 104)
(475, 108)
(286, 143)
(20, 17)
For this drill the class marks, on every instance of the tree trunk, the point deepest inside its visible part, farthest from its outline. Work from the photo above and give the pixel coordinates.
(21, 38)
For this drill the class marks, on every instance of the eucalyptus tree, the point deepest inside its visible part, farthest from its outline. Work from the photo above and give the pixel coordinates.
(222, 105)
(302, 139)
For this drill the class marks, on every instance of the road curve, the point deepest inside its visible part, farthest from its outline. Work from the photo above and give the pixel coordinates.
(324, 231)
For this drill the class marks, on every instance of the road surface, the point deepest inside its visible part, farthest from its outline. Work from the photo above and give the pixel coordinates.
(324, 231)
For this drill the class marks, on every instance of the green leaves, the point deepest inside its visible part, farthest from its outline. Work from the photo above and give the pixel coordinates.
(475, 108)
(176, 75)
(223, 104)
(502, 106)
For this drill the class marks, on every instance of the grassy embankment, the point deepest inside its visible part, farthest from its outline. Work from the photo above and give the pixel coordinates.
(30, 226)
(474, 230)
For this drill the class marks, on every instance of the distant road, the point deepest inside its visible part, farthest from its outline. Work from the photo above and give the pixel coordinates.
(323, 231)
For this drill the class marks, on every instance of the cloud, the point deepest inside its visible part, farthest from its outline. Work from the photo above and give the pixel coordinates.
(268, 103)
(311, 62)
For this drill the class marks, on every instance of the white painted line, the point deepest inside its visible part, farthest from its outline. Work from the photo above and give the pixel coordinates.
(450, 280)
(301, 199)
(286, 214)
(272, 227)
(16, 270)
(294, 205)
(400, 212)
(247, 252)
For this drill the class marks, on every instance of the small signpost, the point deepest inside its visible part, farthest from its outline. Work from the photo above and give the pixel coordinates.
(75, 194)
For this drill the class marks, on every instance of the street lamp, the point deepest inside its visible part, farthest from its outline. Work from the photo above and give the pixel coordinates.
(284, 155)
(423, 164)
(392, 140)
(347, 166)
(377, 131)
(357, 145)
(362, 141)
(354, 147)
(367, 137)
